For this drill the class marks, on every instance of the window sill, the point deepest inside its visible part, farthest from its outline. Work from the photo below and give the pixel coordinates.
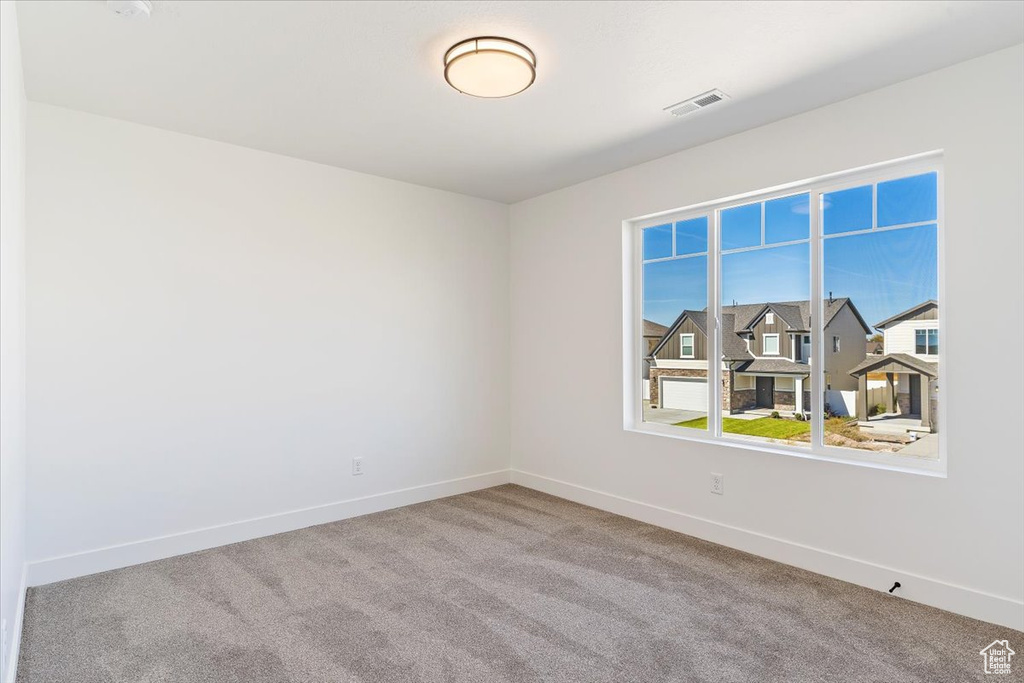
(846, 456)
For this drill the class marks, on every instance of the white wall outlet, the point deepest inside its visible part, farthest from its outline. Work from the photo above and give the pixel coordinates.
(717, 483)
(357, 466)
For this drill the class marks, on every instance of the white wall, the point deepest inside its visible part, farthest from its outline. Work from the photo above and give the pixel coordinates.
(12, 337)
(957, 541)
(902, 338)
(214, 332)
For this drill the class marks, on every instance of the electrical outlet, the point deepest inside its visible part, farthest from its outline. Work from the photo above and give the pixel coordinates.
(717, 483)
(357, 466)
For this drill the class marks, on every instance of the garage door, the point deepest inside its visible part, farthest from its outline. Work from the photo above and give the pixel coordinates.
(684, 393)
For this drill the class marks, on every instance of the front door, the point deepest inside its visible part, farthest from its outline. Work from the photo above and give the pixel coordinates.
(765, 392)
(915, 394)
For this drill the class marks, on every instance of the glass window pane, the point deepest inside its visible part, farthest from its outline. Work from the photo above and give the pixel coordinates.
(765, 366)
(686, 345)
(658, 242)
(692, 236)
(675, 368)
(741, 227)
(847, 210)
(908, 200)
(787, 219)
(933, 341)
(882, 282)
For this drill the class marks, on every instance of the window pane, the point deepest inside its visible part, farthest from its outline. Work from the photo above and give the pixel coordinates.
(908, 200)
(686, 345)
(658, 242)
(675, 296)
(692, 236)
(933, 341)
(741, 227)
(882, 282)
(787, 219)
(765, 368)
(847, 210)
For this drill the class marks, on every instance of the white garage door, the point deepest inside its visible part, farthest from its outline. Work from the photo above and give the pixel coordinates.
(684, 393)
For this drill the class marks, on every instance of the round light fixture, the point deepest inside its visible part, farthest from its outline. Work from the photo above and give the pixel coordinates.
(489, 66)
(130, 8)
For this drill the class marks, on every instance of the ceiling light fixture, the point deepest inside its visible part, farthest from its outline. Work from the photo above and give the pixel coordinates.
(130, 8)
(489, 66)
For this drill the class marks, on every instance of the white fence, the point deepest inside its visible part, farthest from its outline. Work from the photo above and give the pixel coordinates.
(844, 403)
(841, 402)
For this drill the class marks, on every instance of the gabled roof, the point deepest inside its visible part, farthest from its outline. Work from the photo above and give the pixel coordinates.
(907, 313)
(775, 366)
(699, 318)
(733, 346)
(904, 359)
(796, 314)
(653, 329)
(740, 319)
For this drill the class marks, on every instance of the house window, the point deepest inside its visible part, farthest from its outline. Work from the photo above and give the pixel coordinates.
(674, 282)
(741, 381)
(926, 342)
(832, 257)
(686, 346)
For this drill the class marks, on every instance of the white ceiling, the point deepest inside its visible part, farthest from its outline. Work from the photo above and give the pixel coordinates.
(360, 85)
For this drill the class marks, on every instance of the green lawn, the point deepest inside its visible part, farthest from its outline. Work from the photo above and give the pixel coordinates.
(766, 426)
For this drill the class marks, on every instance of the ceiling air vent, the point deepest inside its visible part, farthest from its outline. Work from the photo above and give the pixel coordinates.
(696, 103)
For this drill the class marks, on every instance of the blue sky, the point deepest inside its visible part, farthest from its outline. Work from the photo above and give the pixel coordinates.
(883, 272)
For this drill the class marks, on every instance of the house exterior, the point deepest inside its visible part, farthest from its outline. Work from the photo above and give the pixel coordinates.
(766, 350)
(653, 332)
(910, 364)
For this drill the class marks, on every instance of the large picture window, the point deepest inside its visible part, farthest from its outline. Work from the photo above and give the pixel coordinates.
(819, 302)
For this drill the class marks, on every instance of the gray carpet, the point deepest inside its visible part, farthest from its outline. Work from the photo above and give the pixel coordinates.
(505, 584)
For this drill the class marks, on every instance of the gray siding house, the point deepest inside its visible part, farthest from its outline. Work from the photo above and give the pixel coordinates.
(766, 356)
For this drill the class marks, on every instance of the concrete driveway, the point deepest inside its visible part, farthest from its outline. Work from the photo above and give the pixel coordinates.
(669, 416)
(926, 446)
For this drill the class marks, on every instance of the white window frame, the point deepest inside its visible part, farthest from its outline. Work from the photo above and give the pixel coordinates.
(693, 348)
(927, 342)
(769, 318)
(632, 230)
(764, 346)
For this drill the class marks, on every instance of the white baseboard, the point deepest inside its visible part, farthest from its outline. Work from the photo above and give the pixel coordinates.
(11, 662)
(962, 600)
(114, 557)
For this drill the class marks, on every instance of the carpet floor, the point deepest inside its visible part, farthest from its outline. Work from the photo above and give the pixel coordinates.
(504, 584)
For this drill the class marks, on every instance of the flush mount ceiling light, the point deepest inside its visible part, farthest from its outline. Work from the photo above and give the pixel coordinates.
(130, 8)
(489, 66)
